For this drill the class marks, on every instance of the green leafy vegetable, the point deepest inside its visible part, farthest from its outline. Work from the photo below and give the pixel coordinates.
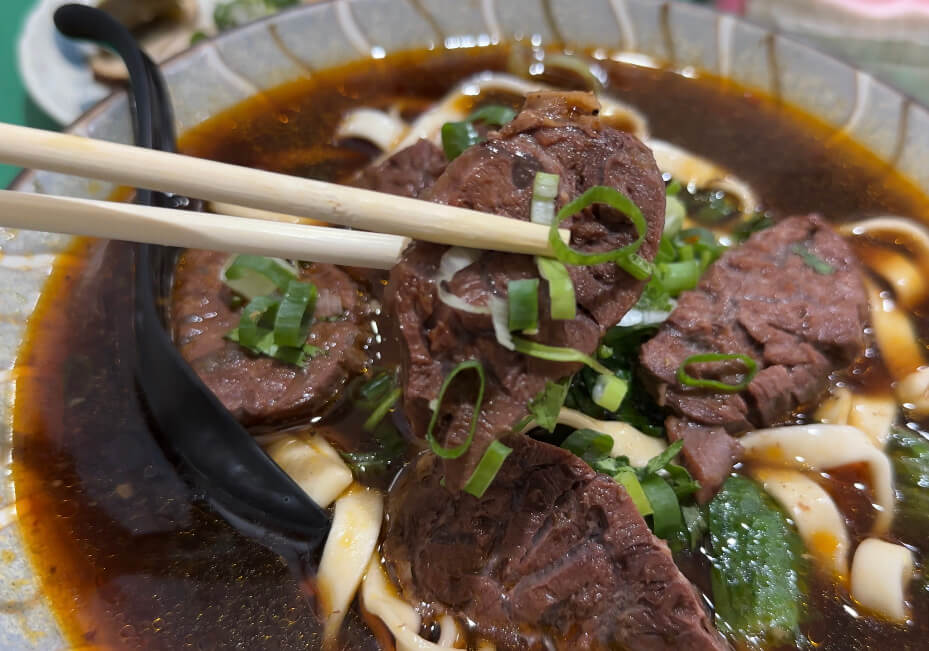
(751, 368)
(657, 489)
(487, 469)
(560, 288)
(757, 566)
(523, 297)
(757, 222)
(454, 453)
(458, 136)
(495, 115)
(546, 406)
(710, 207)
(589, 445)
(626, 257)
(813, 261)
(234, 13)
(638, 408)
(909, 453)
(389, 448)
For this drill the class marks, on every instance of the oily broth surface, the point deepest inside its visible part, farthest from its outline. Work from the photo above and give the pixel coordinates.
(131, 557)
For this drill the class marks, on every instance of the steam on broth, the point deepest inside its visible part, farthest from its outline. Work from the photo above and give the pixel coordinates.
(131, 556)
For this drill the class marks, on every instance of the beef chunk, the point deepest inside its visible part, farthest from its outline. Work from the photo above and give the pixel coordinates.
(553, 556)
(766, 300)
(406, 173)
(262, 390)
(557, 133)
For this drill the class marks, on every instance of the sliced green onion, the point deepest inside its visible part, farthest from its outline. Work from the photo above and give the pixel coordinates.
(557, 354)
(454, 453)
(523, 296)
(458, 136)
(254, 275)
(381, 410)
(674, 214)
(500, 318)
(545, 186)
(493, 114)
(576, 65)
(609, 391)
(487, 469)
(666, 510)
(249, 333)
(630, 482)
(290, 327)
(751, 368)
(544, 191)
(616, 200)
(560, 288)
(813, 261)
(676, 277)
(637, 266)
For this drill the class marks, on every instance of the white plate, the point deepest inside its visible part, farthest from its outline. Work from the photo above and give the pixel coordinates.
(54, 70)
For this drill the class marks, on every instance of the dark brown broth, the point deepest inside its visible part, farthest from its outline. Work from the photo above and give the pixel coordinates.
(130, 557)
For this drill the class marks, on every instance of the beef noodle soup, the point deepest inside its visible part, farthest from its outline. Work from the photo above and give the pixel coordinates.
(701, 426)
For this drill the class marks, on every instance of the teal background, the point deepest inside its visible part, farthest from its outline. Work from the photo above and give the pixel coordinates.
(15, 105)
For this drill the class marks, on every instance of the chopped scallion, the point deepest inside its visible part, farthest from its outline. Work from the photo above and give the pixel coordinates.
(622, 256)
(290, 324)
(254, 275)
(458, 136)
(487, 469)
(523, 297)
(557, 354)
(560, 288)
(813, 261)
(676, 277)
(609, 391)
(381, 410)
(666, 510)
(751, 368)
(455, 452)
(249, 332)
(544, 191)
(630, 482)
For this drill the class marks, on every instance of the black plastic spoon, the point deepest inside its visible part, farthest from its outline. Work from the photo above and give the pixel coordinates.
(219, 455)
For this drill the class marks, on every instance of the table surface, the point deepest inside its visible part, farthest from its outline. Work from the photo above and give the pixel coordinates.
(15, 105)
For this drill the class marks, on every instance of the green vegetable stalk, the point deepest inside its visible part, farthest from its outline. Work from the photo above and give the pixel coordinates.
(757, 566)
(909, 453)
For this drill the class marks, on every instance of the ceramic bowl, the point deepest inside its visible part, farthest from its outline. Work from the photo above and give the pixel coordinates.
(218, 74)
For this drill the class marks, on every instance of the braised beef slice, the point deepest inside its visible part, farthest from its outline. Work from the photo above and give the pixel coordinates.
(554, 555)
(406, 173)
(765, 300)
(260, 390)
(557, 133)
